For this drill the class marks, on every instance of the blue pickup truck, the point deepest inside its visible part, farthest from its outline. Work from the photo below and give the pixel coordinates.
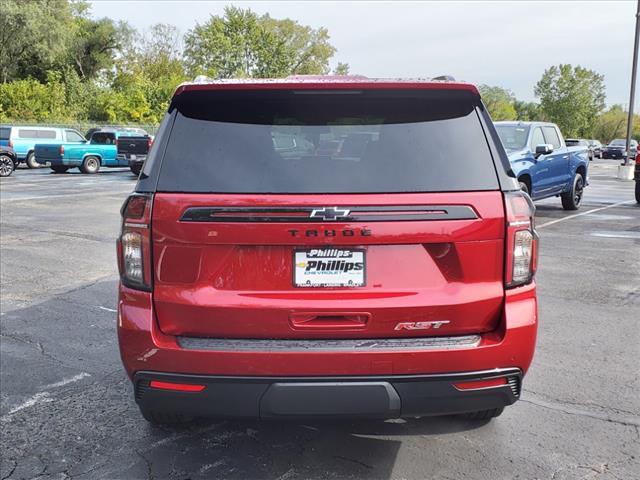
(100, 151)
(542, 162)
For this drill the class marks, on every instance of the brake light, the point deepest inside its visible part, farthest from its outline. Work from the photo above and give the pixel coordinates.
(177, 387)
(480, 384)
(61, 150)
(115, 142)
(521, 240)
(638, 155)
(134, 244)
(149, 142)
(10, 143)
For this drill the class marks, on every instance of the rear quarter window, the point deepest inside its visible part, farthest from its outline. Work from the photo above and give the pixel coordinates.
(321, 142)
(5, 133)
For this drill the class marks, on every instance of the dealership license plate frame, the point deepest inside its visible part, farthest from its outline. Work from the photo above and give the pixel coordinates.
(324, 284)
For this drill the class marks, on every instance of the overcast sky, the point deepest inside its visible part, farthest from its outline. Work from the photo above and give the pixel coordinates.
(505, 43)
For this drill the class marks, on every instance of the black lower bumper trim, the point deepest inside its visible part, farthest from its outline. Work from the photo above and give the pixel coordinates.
(372, 397)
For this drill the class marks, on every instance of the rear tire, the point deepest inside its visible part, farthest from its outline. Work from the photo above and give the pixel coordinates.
(31, 161)
(165, 418)
(7, 165)
(573, 198)
(90, 165)
(59, 169)
(135, 169)
(483, 414)
(524, 187)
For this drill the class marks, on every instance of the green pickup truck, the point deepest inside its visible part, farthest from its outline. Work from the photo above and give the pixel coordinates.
(100, 151)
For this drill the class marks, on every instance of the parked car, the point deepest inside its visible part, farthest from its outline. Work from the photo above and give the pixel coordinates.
(99, 151)
(24, 138)
(265, 279)
(134, 149)
(580, 142)
(616, 148)
(133, 130)
(596, 148)
(544, 165)
(8, 161)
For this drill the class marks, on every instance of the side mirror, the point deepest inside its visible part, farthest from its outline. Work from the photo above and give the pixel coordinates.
(543, 149)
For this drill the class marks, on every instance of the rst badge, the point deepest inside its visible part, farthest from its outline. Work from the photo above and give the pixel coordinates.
(421, 325)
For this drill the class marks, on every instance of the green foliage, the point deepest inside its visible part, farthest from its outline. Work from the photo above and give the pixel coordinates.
(93, 46)
(499, 102)
(572, 98)
(528, 111)
(34, 36)
(243, 44)
(613, 124)
(341, 69)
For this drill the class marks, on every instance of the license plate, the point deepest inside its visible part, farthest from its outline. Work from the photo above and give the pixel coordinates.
(132, 157)
(329, 267)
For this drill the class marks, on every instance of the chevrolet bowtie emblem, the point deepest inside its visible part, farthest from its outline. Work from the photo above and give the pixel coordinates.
(329, 213)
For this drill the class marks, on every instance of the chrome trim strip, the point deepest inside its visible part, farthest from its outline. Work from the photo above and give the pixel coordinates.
(382, 213)
(342, 345)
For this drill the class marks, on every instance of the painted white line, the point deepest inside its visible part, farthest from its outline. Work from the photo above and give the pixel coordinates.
(631, 235)
(30, 402)
(44, 397)
(67, 381)
(107, 309)
(552, 222)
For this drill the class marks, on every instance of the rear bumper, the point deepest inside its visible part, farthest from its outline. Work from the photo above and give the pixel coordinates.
(149, 354)
(371, 396)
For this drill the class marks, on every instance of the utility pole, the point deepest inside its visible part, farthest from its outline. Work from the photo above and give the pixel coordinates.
(631, 156)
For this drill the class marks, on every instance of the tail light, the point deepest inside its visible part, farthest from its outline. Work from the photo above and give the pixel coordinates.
(521, 241)
(638, 155)
(149, 142)
(61, 150)
(115, 142)
(134, 244)
(10, 143)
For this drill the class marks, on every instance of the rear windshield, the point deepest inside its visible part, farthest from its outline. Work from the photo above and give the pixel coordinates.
(104, 138)
(572, 143)
(326, 142)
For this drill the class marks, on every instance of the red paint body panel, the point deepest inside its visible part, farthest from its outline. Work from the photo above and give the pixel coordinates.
(144, 347)
(235, 280)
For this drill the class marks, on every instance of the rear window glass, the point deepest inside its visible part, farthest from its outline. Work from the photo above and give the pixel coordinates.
(326, 142)
(5, 133)
(103, 138)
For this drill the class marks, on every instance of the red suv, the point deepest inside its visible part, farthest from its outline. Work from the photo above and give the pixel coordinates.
(326, 246)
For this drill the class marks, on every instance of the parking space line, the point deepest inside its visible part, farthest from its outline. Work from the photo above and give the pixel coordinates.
(45, 396)
(558, 220)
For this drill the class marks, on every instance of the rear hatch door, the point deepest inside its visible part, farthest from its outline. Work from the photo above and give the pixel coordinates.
(370, 215)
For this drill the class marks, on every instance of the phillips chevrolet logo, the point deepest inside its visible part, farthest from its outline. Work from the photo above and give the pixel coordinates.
(329, 213)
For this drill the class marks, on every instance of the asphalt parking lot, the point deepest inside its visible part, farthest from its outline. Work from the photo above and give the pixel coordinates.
(67, 409)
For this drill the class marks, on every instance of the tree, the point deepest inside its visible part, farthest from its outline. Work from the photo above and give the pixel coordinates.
(93, 46)
(613, 124)
(341, 69)
(528, 111)
(572, 98)
(243, 44)
(499, 102)
(34, 37)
